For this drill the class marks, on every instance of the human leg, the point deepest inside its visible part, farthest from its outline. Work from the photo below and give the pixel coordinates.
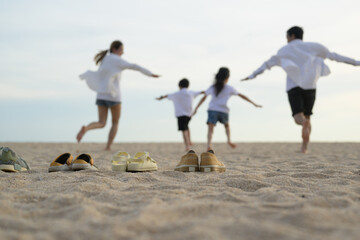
(299, 118)
(302, 102)
(183, 126)
(186, 139)
(227, 130)
(115, 115)
(190, 142)
(224, 119)
(309, 102)
(306, 134)
(211, 122)
(210, 134)
(309, 97)
(308, 117)
(304, 121)
(102, 112)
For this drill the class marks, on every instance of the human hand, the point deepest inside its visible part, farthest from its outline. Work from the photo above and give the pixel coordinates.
(161, 97)
(258, 106)
(245, 79)
(155, 75)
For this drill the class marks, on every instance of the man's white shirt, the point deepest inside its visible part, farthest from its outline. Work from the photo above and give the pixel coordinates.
(303, 63)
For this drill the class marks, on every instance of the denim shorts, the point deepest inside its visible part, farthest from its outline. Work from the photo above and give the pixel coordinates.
(215, 116)
(106, 103)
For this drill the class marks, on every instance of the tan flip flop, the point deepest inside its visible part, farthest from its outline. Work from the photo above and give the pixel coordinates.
(83, 162)
(61, 163)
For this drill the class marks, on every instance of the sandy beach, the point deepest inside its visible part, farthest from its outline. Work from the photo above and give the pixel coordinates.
(269, 191)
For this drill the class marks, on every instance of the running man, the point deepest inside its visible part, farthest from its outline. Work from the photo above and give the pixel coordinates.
(304, 64)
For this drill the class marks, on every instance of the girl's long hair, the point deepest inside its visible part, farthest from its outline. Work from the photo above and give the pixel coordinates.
(100, 56)
(220, 78)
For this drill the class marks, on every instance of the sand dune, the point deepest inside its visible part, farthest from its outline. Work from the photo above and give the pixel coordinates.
(269, 191)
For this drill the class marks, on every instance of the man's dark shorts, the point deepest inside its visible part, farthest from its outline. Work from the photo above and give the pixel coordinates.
(301, 100)
(183, 123)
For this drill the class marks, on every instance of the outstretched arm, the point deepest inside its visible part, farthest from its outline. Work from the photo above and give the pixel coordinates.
(247, 99)
(162, 97)
(199, 104)
(339, 58)
(199, 93)
(273, 61)
(126, 65)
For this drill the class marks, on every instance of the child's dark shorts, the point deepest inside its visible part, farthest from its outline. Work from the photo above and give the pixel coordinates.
(183, 123)
(301, 100)
(215, 116)
(106, 103)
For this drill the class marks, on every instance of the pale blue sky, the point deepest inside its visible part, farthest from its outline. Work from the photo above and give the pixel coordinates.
(45, 45)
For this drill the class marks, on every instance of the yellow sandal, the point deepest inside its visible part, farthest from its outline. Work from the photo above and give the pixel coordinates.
(141, 162)
(119, 161)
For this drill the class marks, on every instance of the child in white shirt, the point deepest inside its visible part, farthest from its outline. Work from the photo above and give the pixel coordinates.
(183, 101)
(218, 110)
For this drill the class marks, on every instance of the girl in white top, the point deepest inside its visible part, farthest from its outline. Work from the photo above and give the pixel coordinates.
(106, 82)
(218, 110)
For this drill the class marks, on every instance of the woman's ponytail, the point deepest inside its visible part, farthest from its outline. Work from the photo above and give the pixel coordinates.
(100, 56)
(115, 45)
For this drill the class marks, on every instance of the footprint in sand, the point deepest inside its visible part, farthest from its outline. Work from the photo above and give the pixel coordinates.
(310, 175)
(246, 185)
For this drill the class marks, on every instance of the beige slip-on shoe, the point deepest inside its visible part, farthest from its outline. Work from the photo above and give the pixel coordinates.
(210, 163)
(188, 163)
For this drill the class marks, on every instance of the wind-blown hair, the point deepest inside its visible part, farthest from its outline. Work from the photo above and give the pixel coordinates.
(115, 45)
(220, 78)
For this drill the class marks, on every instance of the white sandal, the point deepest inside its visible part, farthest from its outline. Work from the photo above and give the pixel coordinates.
(119, 161)
(141, 162)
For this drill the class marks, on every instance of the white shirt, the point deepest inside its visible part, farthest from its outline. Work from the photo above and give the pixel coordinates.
(183, 101)
(303, 63)
(105, 81)
(219, 102)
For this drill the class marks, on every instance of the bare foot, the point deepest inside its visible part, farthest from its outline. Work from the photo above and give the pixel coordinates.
(304, 147)
(209, 148)
(305, 136)
(107, 149)
(80, 134)
(232, 145)
(187, 148)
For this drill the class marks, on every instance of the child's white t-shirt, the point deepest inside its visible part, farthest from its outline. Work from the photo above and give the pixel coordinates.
(219, 102)
(183, 101)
